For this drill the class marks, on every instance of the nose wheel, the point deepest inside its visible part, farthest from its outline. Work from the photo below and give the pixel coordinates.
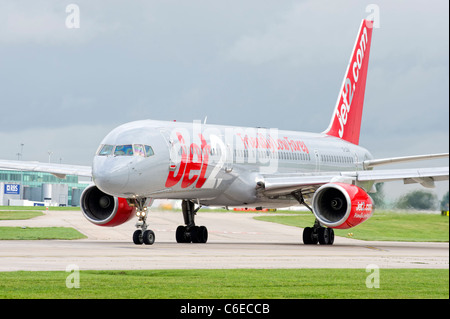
(142, 235)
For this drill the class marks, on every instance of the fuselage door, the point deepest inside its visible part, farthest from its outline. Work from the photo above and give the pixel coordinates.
(317, 157)
(173, 149)
(229, 159)
(356, 161)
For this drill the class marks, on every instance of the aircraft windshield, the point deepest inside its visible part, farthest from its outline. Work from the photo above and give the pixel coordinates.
(126, 150)
(139, 150)
(106, 150)
(143, 150)
(149, 150)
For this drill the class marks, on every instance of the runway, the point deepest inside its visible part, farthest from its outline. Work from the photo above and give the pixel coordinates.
(235, 241)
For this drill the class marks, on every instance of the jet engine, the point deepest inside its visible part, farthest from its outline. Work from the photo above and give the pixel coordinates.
(104, 210)
(342, 206)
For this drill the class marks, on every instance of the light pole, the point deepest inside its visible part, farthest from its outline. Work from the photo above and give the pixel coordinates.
(19, 157)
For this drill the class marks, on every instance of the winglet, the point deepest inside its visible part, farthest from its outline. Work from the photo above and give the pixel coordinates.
(346, 120)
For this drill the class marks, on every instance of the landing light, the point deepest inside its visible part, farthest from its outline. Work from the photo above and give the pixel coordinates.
(140, 214)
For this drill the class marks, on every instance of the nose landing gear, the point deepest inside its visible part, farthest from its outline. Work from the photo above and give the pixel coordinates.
(142, 235)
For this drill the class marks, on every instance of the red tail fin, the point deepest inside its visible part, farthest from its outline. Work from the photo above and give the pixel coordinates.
(346, 120)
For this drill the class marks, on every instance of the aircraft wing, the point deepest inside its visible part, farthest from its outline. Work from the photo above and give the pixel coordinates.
(59, 170)
(393, 160)
(286, 184)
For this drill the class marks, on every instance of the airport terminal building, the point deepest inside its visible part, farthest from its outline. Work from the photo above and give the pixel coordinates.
(21, 188)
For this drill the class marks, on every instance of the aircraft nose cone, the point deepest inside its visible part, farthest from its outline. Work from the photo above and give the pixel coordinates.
(110, 176)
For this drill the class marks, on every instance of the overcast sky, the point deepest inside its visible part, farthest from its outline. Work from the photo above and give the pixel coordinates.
(276, 64)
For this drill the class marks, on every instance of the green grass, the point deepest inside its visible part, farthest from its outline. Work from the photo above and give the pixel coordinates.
(35, 233)
(384, 225)
(19, 215)
(39, 208)
(233, 284)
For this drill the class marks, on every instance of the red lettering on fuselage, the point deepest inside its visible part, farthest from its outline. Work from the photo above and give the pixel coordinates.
(205, 160)
(173, 179)
(268, 142)
(193, 164)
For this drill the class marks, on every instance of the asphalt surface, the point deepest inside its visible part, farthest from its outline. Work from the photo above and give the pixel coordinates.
(235, 241)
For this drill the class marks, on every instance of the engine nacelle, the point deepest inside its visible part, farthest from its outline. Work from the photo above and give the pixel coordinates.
(103, 209)
(342, 206)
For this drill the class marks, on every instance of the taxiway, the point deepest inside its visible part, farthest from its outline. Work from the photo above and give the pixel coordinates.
(235, 241)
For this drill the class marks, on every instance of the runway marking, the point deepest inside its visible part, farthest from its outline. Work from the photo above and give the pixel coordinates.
(376, 248)
(215, 232)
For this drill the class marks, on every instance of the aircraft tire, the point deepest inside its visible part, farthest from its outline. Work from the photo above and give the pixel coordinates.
(199, 234)
(308, 238)
(148, 237)
(330, 236)
(324, 237)
(203, 232)
(137, 237)
(195, 234)
(180, 234)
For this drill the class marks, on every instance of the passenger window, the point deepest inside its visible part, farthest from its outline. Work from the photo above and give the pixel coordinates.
(149, 151)
(106, 150)
(124, 150)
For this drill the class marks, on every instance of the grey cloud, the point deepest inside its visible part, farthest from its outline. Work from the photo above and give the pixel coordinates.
(254, 63)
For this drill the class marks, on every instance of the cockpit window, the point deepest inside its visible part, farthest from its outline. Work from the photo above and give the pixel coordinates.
(126, 150)
(149, 151)
(139, 150)
(106, 150)
(123, 150)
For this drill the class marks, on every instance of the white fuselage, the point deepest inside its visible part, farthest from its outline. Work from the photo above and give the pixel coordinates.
(213, 164)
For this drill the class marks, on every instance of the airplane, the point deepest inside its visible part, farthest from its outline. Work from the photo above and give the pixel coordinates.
(228, 166)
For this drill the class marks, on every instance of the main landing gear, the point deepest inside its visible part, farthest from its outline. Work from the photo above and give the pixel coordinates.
(317, 233)
(142, 235)
(190, 233)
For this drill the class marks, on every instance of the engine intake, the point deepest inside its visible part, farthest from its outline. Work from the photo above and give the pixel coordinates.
(339, 205)
(103, 209)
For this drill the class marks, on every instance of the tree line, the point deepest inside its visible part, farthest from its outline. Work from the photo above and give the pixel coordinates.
(416, 199)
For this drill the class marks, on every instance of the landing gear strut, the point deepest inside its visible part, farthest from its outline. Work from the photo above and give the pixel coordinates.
(190, 232)
(317, 233)
(142, 235)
